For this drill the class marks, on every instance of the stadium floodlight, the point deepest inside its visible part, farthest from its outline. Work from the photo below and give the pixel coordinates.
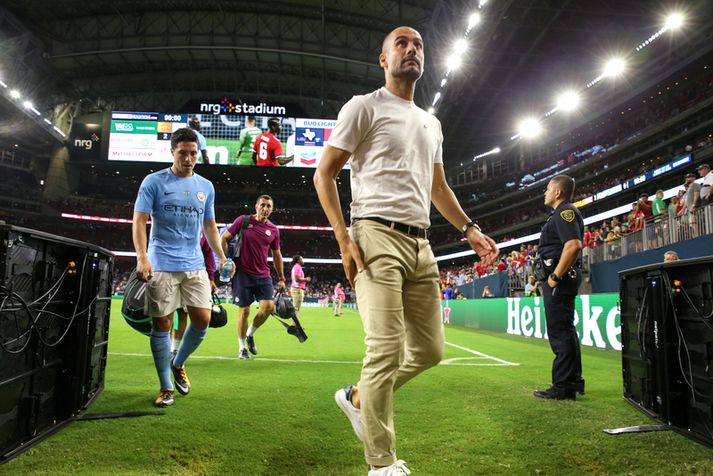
(496, 150)
(27, 104)
(568, 101)
(443, 82)
(473, 20)
(15, 94)
(453, 62)
(674, 21)
(2, 84)
(481, 3)
(614, 67)
(461, 46)
(436, 98)
(529, 128)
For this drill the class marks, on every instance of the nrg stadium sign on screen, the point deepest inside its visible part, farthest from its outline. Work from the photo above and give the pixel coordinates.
(146, 136)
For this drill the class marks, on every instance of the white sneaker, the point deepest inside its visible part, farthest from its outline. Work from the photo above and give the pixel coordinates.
(343, 399)
(397, 469)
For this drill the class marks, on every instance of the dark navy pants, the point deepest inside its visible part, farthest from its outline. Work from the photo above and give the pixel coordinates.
(559, 310)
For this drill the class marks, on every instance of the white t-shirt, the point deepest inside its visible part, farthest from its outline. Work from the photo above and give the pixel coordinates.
(394, 146)
(706, 186)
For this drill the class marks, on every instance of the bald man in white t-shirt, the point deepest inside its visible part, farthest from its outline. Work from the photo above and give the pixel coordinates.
(395, 149)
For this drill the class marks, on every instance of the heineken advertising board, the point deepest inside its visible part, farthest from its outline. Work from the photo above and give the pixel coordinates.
(597, 317)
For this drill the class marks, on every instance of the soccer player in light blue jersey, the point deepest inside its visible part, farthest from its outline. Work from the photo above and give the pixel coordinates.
(180, 204)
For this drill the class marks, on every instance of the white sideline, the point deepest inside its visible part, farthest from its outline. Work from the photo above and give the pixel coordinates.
(453, 361)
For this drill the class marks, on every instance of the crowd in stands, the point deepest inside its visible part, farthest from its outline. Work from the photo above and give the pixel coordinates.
(518, 264)
(495, 222)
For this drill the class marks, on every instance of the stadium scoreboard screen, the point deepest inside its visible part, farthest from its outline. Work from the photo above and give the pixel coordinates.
(142, 136)
(146, 137)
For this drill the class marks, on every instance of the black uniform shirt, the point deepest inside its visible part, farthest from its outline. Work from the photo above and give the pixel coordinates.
(564, 224)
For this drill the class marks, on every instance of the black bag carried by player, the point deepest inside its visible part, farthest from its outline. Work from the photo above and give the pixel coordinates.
(284, 309)
(133, 306)
(218, 314)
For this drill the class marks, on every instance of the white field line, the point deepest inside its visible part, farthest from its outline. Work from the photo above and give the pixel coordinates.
(454, 361)
(482, 355)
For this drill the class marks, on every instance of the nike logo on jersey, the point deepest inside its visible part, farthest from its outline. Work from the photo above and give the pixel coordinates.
(168, 193)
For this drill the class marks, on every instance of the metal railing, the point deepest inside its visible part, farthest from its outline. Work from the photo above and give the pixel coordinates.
(517, 278)
(657, 233)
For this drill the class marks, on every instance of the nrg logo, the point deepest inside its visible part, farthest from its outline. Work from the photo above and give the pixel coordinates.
(86, 143)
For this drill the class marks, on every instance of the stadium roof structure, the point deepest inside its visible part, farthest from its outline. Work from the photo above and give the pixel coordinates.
(74, 57)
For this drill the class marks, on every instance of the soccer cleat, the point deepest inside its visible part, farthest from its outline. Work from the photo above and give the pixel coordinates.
(250, 341)
(174, 353)
(165, 398)
(397, 469)
(180, 379)
(343, 399)
(244, 354)
(554, 393)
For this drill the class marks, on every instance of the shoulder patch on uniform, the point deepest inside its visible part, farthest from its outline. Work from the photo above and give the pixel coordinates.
(567, 215)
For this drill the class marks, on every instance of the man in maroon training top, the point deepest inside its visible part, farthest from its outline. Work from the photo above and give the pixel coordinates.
(252, 281)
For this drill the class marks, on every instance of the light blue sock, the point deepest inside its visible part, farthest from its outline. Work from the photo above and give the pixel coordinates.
(191, 340)
(161, 350)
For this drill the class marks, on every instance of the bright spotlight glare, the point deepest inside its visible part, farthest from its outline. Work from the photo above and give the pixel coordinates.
(530, 127)
(27, 104)
(473, 20)
(454, 61)
(15, 94)
(568, 101)
(461, 46)
(614, 67)
(482, 2)
(674, 21)
(431, 110)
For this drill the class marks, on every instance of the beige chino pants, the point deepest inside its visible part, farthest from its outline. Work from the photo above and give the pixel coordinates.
(400, 306)
(298, 295)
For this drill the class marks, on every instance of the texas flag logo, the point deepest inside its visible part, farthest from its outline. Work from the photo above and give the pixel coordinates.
(306, 136)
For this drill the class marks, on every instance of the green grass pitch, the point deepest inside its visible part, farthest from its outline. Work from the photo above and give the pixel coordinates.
(275, 414)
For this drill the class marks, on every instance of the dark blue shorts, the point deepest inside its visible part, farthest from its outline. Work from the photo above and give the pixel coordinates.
(248, 289)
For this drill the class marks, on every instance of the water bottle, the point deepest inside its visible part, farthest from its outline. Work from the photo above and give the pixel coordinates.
(226, 270)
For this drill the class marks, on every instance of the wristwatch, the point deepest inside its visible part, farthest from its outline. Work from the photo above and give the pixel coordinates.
(555, 278)
(469, 225)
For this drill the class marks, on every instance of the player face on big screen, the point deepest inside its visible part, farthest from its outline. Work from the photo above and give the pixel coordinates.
(263, 209)
(184, 158)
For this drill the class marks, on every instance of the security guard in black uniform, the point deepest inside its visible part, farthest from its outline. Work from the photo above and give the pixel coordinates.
(559, 248)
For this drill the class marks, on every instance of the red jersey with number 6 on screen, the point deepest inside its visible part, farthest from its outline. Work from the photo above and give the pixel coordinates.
(268, 148)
